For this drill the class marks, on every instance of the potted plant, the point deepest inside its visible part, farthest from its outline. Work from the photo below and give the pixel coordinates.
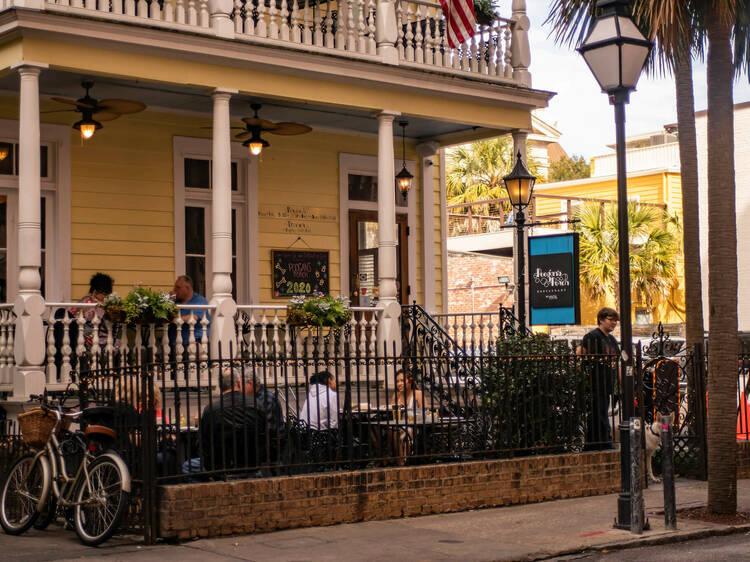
(318, 310)
(484, 11)
(141, 306)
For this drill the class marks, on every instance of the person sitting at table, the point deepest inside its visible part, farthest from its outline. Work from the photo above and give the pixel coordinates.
(235, 427)
(405, 396)
(321, 407)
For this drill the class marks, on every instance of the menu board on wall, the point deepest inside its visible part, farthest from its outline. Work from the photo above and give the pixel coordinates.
(299, 272)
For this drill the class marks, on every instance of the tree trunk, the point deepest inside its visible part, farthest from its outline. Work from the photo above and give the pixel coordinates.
(722, 271)
(689, 179)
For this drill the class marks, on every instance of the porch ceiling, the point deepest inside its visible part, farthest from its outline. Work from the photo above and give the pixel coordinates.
(198, 101)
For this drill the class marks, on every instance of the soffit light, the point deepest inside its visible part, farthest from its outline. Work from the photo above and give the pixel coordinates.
(403, 178)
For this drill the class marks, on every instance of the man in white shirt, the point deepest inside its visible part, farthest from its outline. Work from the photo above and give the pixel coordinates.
(321, 408)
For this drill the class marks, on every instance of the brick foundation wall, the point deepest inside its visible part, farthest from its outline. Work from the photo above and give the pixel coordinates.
(261, 505)
(484, 270)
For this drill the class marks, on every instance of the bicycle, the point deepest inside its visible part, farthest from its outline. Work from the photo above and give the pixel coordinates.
(98, 491)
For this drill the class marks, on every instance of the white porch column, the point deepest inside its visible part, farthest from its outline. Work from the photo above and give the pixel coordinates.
(427, 156)
(519, 145)
(389, 328)
(386, 31)
(222, 332)
(29, 305)
(520, 50)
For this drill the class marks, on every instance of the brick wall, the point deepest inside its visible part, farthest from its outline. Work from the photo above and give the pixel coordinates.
(261, 505)
(488, 294)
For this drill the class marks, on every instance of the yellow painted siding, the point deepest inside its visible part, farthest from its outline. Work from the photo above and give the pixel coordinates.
(122, 197)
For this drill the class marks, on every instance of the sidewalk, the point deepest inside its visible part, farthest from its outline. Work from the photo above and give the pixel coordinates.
(524, 532)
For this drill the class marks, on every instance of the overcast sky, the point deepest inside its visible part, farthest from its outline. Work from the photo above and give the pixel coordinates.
(582, 113)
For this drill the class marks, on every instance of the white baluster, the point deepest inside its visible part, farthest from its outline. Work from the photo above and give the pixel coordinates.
(361, 28)
(473, 51)
(249, 22)
(373, 334)
(80, 345)
(401, 19)
(418, 36)
(95, 347)
(318, 22)
(154, 11)
(261, 30)
(273, 24)
(123, 351)
(116, 6)
(342, 22)
(90, 4)
(204, 14)
(77, 3)
(353, 336)
(238, 28)
(142, 9)
(109, 346)
(264, 333)
(179, 11)
(275, 339)
(168, 11)
(179, 344)
(329, 27)
(296, 31)
(363, 334)
(287, 340)
(285, 20)
(483, 30)
(192, 348)
(204, 339)
(192, 12)
(11, 342)
(447, 51)
(253, 344)
(371, 45)
(129, 7)
(492, 69)
(307, 27)
(508, 64)
(51, 348)
(138, 345)
(409, 50)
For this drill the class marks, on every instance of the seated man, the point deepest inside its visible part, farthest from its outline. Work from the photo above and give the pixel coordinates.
(185, 294)
(241, 428)
(321, 408)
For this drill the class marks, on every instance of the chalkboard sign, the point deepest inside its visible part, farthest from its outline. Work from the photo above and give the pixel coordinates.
(299, 272)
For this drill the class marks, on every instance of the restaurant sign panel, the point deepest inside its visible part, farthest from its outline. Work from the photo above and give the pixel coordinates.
(554, 291)
(299, 272)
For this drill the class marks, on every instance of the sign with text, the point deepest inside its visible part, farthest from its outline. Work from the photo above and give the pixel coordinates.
(554, 294)
(299, 272)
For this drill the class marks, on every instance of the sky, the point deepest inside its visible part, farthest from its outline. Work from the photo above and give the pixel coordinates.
(582, 113)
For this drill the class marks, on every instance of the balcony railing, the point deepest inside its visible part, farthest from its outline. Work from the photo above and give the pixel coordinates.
(639, 159)
(346, 27)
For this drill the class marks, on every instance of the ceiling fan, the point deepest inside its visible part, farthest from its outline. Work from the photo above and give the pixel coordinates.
(94, 111)
(254, 126)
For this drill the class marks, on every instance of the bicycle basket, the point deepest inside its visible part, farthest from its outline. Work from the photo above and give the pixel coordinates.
(36, 426)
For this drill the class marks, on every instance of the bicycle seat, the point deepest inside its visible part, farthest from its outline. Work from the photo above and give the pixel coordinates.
(99, 415)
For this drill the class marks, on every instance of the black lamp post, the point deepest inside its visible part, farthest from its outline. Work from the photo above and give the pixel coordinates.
(615, 51)
(520, 186)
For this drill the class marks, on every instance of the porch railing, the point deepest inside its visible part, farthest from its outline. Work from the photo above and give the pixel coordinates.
(7, 344)
(347, 27)
(80, 338)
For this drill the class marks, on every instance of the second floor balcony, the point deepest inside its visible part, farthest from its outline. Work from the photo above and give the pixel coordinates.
(408, 33)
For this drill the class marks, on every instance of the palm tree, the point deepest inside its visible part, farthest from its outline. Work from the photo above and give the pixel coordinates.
(475, 171)
(654, 248)
(675, 44)
(681, 26)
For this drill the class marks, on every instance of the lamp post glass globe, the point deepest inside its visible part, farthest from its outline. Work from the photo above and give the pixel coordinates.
(520, 185)
(615, 50)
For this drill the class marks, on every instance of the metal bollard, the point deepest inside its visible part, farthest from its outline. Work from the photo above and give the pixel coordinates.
(667, 473)
(636, 477)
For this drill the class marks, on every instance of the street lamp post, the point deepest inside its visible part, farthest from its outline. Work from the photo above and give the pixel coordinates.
(520, 186)
(615, 51)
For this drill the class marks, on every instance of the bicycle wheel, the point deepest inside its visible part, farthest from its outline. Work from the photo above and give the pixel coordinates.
(26, 485)
(100, 502)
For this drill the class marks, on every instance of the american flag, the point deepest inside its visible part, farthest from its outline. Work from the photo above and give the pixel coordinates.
(459, 15)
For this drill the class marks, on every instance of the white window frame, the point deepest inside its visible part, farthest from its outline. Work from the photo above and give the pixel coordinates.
(55, 188)
(368, 165)
(244, 200)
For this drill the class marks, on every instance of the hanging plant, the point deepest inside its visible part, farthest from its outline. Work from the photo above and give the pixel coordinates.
(318, 310)
(485, 11)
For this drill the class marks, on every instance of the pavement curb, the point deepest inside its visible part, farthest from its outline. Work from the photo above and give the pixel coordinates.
(677, 536)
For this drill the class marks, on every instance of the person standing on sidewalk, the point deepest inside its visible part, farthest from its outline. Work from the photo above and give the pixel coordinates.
(601, 342)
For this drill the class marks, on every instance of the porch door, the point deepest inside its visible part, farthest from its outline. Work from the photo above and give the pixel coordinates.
(363, 258)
